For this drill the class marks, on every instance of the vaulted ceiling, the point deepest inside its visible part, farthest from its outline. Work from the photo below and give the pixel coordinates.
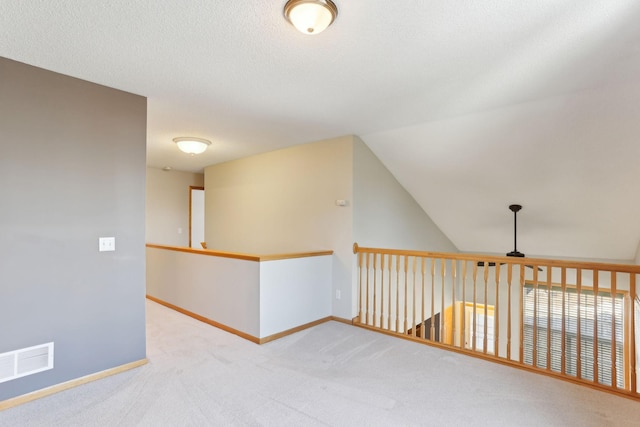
(471, 105)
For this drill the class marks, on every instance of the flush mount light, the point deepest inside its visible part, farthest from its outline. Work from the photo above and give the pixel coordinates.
(310, 16)
(192, 145)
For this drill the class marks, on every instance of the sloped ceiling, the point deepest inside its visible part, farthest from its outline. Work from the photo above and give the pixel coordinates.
(471, 105)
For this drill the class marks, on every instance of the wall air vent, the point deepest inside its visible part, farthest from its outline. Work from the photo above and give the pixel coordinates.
(26, 361)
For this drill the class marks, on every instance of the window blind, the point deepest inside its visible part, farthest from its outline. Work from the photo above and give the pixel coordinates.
(543, 321)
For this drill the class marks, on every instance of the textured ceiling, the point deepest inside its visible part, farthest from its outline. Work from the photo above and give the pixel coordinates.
(472, 105)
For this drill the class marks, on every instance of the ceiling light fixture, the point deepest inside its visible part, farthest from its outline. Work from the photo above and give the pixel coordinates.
(192, 145)
(310, 16)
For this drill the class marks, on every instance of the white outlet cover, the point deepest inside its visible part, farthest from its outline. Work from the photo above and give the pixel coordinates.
(106, 244)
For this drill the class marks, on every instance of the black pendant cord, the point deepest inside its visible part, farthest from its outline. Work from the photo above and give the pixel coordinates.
(515, 253)
(515, 231)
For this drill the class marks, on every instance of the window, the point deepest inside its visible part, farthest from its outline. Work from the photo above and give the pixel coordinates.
(543, 317)
(479, 335)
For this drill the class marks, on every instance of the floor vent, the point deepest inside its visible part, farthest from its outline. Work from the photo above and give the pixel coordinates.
(26, 361)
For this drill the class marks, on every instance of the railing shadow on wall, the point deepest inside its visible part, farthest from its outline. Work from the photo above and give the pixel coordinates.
(568, 319)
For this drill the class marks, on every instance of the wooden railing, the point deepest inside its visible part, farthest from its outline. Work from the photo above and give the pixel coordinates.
(573, 320)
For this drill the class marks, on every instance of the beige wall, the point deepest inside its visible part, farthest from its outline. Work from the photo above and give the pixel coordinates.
(281, 201)
(285, 201)
(167, 213)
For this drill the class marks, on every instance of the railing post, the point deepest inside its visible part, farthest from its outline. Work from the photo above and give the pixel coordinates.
(389, 294)
(382, 256)
(464, 305)
(563, 344)
(360, 286)
(596, 378)
(475, 303)
(398, 293)
(453, 302)
(406, 295)
(632, 329)
(521, 313)
(548, 315)
(535, 317)
(432, 329)
(366, 310)
(375, 289)
(443, 272)
(614, 369)
(415, 299)
(496, 316)
(579, 324)
(424, 302)
(486, 308)
(509, 280)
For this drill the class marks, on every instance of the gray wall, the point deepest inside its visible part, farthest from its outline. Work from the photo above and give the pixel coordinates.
(385, 215)
(72, 169)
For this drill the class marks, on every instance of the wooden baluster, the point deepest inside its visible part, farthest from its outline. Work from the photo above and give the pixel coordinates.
(579, 324)
(382, 291)
(548, 315)
(496, 315)
(390, 268)
(563, 343)
(535, 316)
(360, 287)
(596, 378)
(486, 307)
(432, 330)
(509, 280)
(614, 371)
(464, 304)
(406, 295)
(375, 290)
(475, 302)
(415, 300)
(443, 271)
(366, 310)
(398, 293)
(521, 313)
(454, 325)
(632, 331)
(424, 301)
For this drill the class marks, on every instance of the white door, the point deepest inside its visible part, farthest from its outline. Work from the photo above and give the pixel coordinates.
(196, 220)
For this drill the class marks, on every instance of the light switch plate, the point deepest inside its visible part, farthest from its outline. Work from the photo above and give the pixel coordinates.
(106, 244)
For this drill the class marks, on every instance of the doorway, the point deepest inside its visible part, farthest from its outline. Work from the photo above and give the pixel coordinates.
(196, 217)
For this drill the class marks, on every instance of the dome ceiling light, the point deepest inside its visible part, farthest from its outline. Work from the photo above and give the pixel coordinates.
(192, 145)
(310, 16)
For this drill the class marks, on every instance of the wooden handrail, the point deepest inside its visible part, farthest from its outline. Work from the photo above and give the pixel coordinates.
(235, 255)
(579, 328)
(587, 265)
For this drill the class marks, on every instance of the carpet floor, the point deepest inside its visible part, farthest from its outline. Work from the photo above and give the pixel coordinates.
(329, 375)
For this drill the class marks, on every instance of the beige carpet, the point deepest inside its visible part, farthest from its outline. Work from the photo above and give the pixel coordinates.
(333, 374)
